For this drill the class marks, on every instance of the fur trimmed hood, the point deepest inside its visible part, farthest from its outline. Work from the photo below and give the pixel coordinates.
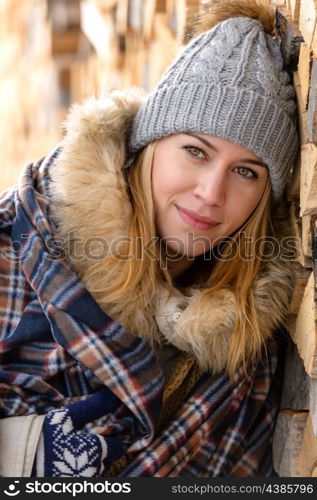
(91, 204)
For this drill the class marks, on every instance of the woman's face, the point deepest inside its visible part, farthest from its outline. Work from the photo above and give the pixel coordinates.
(204, 189)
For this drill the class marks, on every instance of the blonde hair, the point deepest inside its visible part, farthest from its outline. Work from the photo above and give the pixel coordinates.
(134, 285)
(134, 272)
(238, 274)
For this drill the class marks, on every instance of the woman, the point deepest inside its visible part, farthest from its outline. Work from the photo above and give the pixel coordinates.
(144, 306)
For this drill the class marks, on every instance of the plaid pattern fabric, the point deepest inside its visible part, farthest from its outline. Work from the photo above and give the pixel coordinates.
(58, 348)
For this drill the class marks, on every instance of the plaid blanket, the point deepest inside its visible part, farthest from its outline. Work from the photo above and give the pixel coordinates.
(101, 387)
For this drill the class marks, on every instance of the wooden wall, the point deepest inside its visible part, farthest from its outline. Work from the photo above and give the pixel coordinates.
(55, 52)
(39, 40)
(27, 85)
(295, 443)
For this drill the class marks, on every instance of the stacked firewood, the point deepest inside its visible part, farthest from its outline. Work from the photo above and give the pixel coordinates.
(134, 40)
(27, 85)
(295, 442)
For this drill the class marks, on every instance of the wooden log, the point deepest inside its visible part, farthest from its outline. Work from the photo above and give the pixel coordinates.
(287, 442)
(308, 180)
(304, 72)
(161, 5)
(312, 383)
(133, 73)
(297, 230)
(307, 228)
(314, 43)
(294, 6)
(180, 12)
(299, 390)
(307, 460)
(164, 34)
(141, 15)
(98, 28)
(293, 186)
(304, 331)
(312, 106)
(163, 49)
(137, 12)
(66, 42)
(185, 10)
(104, 5)
(301, 279)
(63, 15)
(296, 386)
(307, 19)
(302, 112)
(122, 15)
(279, 4)
(289, 38)
(149, 9)
(85, 78)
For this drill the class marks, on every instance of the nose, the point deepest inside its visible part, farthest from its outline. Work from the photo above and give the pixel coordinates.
(211, 187)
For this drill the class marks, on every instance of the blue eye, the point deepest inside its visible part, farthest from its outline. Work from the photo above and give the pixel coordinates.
(196, 152)
(247, 172)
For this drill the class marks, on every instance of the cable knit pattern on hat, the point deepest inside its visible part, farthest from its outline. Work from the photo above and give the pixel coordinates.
(229, 82)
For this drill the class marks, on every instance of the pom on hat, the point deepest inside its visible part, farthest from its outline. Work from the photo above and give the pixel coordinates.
(216, 11)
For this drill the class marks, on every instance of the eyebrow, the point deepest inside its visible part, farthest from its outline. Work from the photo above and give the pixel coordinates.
(211, 146)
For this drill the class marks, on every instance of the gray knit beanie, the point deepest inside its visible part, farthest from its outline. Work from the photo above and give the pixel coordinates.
(229, 82)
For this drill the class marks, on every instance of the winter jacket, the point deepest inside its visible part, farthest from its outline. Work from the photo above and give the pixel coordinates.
(68, 355)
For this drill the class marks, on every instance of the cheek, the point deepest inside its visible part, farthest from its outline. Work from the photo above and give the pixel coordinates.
(246, 204)
(159, 188)
(167, 182)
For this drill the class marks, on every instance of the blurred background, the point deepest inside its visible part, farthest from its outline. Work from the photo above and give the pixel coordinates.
(56, 52)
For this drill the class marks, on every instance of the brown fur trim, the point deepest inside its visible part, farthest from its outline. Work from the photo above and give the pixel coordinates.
(216, 11)
(88, 186)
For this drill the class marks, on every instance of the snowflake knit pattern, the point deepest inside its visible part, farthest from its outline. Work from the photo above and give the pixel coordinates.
(65, 452)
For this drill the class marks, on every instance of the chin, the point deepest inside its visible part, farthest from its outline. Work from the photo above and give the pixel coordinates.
(197, 252)
(193, 253)
(183, 250)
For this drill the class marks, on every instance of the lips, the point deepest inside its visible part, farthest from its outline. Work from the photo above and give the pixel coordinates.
(195, 220)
